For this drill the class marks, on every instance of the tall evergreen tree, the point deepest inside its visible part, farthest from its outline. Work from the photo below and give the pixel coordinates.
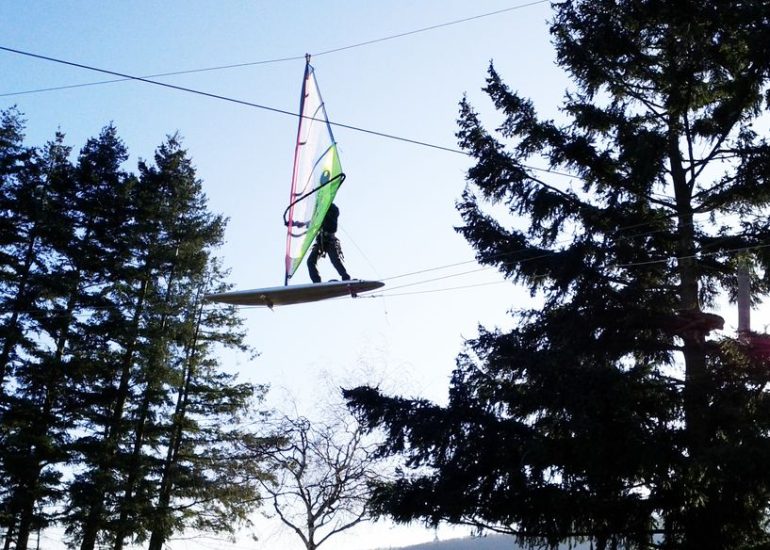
(127, 489)
(105, 217)
(179, 362)
(176, 231)
(78, 209)
(34, 423)
(14, 160)
(109, 365)
(16, 238)
(214, 463)
(612, 413)
(107, 211)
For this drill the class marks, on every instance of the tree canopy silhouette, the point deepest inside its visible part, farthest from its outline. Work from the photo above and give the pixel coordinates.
(116, 418)
(613, 412)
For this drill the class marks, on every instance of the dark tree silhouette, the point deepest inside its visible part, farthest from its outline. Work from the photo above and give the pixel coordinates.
(116, 418)
(611, 413)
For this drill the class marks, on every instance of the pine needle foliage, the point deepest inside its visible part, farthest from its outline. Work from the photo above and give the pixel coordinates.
(615, 412)
(117, 419)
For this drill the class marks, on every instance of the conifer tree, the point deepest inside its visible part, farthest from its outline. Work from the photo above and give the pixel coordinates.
(109, 355)
(106, 194)
(16, 238)
(33, 421)
(77, 210)
(178, 230)
(180, 362)
(213, 467)
(128, 488)
(613, 412)
(14, 159)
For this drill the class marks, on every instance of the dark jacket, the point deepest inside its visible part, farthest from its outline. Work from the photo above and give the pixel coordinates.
(329, 224)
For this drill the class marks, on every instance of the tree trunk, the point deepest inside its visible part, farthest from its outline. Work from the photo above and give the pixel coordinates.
(9, 534)
(94, 519)
(158, 535)
(699, 532)
(46, 421)
(152, 378)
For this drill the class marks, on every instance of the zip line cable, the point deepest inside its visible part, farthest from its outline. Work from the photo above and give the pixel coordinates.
(284, 59)
(433, 280)
(432, 291)
(230, 100)
(157, 75)
(432, 27)
(415, 293)
(266, 108)
(284, 112)
(550, 253)
(618, 232)
(385, 294)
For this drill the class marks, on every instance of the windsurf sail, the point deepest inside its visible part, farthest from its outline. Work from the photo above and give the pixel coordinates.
(316, 177)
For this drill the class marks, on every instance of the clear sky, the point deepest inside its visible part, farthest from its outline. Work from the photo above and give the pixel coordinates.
(397, 204)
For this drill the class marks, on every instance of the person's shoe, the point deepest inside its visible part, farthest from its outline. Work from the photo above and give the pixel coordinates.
(346, 277)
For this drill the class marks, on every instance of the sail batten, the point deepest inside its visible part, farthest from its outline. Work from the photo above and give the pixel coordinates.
(316, 176)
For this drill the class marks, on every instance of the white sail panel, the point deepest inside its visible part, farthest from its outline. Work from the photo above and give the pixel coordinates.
(316, 176)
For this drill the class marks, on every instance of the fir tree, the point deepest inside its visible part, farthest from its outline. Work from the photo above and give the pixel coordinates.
(129, 488)
(106, 194)
(16, 240)
(210, 476)
(611, 413)
(14, 160)
(34, 422)
(109, 355)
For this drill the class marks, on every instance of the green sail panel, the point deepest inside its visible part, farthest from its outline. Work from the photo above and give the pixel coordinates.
(316, 176)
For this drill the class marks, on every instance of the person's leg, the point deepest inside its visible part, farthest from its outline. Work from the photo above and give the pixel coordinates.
(312, 260)
(333, 248)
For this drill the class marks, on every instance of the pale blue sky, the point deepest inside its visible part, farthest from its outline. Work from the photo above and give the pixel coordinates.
(397, 204)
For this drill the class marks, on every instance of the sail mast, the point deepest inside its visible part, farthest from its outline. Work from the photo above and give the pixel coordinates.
(292, 196)
(316, 176)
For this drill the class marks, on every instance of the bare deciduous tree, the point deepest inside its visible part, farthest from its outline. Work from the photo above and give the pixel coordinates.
(322, 475)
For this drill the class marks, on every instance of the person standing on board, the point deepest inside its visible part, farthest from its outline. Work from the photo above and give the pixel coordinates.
(327, 243)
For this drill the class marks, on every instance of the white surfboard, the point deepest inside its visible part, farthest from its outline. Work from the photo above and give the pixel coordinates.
(294, 294)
